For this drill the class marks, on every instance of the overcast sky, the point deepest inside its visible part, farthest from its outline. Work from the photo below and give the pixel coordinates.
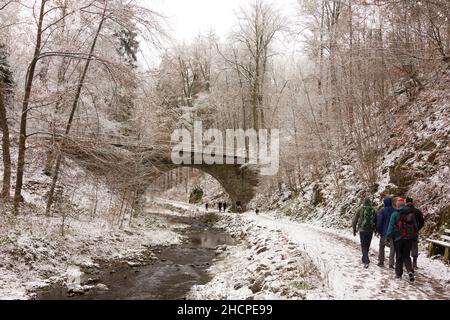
(188, 18)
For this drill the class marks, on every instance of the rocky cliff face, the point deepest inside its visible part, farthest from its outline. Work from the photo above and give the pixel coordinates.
(421, 141)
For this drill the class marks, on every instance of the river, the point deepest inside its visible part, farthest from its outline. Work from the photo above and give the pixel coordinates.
(178, 268)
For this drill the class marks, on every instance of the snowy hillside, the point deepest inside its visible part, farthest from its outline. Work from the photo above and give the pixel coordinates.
(38, 251)
(415, 163)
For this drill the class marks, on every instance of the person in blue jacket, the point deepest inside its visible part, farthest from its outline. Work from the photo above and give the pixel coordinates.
(383, 218)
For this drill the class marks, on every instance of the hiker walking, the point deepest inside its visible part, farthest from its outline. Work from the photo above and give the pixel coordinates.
(418, 215)
(238, 206)
(403, 230)
(206, 206)
(383, 219)
(399, 203)
(364, 222)
(220, 206)
(224, 206)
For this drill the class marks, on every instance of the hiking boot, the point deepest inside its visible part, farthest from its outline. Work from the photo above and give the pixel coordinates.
(391, 267)
(381, 265)
(411, 276)
(397, 276)
(366, 265)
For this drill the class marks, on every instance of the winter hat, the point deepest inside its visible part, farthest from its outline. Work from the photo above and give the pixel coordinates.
(400, 202)
(409, 200)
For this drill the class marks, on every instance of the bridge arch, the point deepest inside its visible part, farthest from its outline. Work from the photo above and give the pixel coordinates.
(238, 181)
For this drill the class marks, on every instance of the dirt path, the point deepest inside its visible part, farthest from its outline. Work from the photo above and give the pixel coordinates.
(339, 257)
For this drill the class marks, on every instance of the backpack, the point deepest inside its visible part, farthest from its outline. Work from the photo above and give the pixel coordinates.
(368, 218)
(407, 225)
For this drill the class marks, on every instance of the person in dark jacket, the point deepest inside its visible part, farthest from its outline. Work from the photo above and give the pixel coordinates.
(402, 241)
(383, 218)
(364, 221)
(239, 206)
(220, 206)
(420, 223)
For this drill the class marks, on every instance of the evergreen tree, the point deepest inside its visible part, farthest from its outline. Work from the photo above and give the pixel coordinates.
(6, 80)
(128, 45)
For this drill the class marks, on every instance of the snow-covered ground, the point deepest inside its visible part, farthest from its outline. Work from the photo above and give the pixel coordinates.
(33, 254)
(189, 208)
(273, 257)
(283, 259)
(264, 264)
(338, 256)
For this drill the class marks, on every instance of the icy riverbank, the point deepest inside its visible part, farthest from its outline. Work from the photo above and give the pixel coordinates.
(265, 265)
(34, 255)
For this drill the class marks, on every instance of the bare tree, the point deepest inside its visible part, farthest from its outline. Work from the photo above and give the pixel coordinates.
(74, 107)
(120, 17)
(258, 27)
(6, 83)
(25, 105)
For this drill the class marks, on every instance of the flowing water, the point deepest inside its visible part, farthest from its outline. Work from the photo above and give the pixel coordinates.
(178, 268)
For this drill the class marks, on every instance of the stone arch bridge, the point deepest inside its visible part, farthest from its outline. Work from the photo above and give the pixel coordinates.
(134, 165)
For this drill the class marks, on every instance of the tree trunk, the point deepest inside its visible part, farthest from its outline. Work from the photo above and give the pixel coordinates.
(350, 111)
(261, 90)
(5, 150)
(72, 113)
(255, 104)
(320, 76)
(50, 159)
(25, 103)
